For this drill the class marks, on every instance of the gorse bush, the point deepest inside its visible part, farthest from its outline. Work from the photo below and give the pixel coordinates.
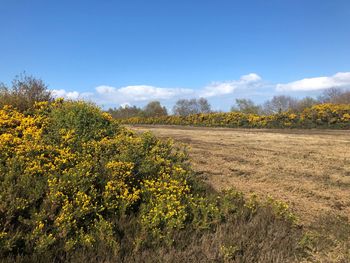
(74, 185)
(85, 119)
(318, 116)
(67, 170)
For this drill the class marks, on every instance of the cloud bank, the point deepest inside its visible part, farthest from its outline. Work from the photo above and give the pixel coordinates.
(227, 87)
(71, 95)
(61, 93)
(338, 80)
(139, 93)
(246, 85)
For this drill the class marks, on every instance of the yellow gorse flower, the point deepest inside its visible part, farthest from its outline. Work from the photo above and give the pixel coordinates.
(75, 186)
(322, 115)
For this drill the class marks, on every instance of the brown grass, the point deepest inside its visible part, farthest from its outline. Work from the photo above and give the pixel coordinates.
(308, 169)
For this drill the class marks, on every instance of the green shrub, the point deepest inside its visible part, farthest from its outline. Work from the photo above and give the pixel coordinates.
(85, 120)
(75, 186)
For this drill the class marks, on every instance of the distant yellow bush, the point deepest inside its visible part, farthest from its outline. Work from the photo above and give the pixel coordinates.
(318, 116)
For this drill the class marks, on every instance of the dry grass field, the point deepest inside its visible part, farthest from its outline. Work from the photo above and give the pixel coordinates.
(309, 169)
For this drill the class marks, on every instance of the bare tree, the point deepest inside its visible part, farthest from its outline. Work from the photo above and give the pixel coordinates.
(186, 107)
(304, 103)
(203, 105)
(344, 98)
(279, 104)
(181, 108)
(24, 92)
(330, 95)
(335, 95)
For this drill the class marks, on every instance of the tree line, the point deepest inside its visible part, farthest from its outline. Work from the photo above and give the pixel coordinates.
(25, 90)
(283, 103)
(183, 107)
(278, 104)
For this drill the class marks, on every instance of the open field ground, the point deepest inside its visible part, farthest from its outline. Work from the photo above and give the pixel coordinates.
(309, 169)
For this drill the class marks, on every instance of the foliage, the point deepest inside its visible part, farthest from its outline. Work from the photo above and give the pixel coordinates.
(67, 170)
(125, 112)
(154, 109)
(83, 119)
(317, 116)
(246, 106)
(73, 183)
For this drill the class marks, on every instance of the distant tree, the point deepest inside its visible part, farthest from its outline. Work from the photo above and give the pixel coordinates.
(182, 108)
(154, 109)
(330, 95)
(344, 98)
(335, 95)
(304, 103)
(186, 107)
(204, 106)
(125, 112)
(246, 106)
(24, 92)
(279, 104)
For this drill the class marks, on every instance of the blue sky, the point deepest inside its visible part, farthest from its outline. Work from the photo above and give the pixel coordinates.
(117, 52)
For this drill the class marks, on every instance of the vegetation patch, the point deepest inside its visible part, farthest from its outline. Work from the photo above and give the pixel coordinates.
(325, 115)
(76, 187)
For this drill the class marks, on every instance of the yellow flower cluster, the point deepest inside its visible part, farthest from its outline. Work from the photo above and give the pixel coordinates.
(168, 200)
(322, 115)
(70, 175)
(71, 182)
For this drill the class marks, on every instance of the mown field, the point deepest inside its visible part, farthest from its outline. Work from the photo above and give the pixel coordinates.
(309, 169)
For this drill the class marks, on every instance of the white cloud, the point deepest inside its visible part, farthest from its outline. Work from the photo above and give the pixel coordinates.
(219, 88)
(105, 89)
(143, 92)
(72, 95)
(252, 77)
(129, 95)
(228, 87)
(125, 104)
(139, 93)
(61, 93)
(338, 80)
(248, 86)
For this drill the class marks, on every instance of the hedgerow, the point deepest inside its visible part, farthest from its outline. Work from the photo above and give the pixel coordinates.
(319, 116)
(76, 186)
